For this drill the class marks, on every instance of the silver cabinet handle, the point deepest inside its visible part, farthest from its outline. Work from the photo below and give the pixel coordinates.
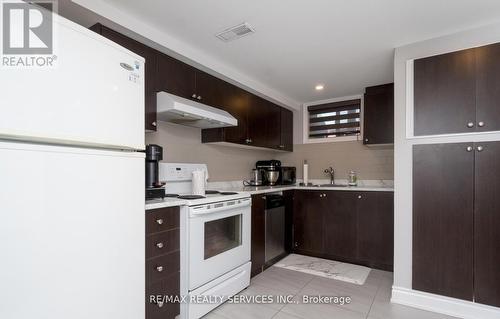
(199, 97)
(480, 124)
(159, 268)
(160, 245)
(154, 123)
(366, 140)
(469, 148)
(470, 124)
(159, 221)
(480, 148)
(359, 196)
(193, 96)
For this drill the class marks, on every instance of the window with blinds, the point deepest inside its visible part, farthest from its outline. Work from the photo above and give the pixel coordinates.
(335, 119)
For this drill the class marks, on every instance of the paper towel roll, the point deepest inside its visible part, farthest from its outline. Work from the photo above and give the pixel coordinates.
(306, 174)
(198, 180)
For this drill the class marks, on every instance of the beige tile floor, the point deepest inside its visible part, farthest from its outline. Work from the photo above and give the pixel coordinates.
(369, 301)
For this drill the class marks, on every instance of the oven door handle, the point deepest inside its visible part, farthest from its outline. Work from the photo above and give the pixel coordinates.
(202, 211)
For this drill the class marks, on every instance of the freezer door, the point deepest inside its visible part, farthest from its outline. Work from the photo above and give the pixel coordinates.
(94, 94)
(71, 233)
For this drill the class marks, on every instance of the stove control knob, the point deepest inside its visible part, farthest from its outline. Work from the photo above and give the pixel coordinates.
(159, 245)
(159, 221)
(159, 268)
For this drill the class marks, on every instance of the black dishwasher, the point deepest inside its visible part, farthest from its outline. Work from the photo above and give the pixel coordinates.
(275, 226)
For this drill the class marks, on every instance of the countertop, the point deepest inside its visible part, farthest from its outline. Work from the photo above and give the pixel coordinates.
(166, 202)
(252, 190)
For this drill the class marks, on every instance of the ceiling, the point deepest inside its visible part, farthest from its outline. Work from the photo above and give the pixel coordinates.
(344, 44)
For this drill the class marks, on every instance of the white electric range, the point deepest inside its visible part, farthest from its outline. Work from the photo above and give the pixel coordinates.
(215, 241)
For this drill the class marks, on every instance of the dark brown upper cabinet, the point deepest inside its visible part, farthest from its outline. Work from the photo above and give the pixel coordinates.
(457, 92)
(150, 69)
(176, 77)
(286, 134)
(378, 115)
(443, 199)
(487, 224)
(488, 88)
(273, 126)
(261, 123)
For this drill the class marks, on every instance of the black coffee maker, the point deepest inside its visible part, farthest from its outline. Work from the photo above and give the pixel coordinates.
(154, 189)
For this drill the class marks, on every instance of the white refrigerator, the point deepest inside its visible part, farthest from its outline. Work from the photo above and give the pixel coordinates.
(72, 183)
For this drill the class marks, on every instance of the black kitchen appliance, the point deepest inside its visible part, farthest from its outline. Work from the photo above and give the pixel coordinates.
(154, 189)
(287, 175)
(274, 227)
(270, 171)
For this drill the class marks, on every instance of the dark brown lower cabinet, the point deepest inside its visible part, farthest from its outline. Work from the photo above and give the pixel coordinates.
(456, 218)
(349, 226)
(258, 249)
(340, 225)
(443, 198)
(162, 262)
(487, 224)
(308, 211)
(376, 229)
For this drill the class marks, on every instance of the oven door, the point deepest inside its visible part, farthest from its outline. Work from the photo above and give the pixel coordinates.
(219, 239)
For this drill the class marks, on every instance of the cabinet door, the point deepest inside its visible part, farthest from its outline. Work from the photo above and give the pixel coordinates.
(487, 224)
(231, 99)
(376, 229)
(210, 90)
(444, 93)
(176, 77)
(443, 181)
(286, 130)
(273, 125)
(340, 224)
(378, 117)
(150, 56)
(258, 111)
(236, 102)
(308, 222)
(258, 234)
(488, 84)
(288, 197)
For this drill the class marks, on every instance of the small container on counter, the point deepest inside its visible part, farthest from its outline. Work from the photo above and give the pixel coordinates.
(353, 179)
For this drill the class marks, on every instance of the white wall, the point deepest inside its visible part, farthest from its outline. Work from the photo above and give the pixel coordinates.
(403, 145)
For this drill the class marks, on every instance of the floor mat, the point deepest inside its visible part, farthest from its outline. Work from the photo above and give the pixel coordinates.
(325, 268)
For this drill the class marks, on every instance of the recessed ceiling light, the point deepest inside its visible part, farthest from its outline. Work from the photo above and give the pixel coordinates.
(319, 87)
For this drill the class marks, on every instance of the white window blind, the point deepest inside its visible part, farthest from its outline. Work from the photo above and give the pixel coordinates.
(335, 119)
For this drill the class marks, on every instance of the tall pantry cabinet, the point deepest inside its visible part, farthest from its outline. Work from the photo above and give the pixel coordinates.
(456, 186)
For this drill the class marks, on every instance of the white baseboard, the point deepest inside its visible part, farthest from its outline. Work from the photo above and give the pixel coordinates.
(445, 305)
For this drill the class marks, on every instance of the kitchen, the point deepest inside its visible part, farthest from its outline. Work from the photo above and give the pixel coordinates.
(275, 187)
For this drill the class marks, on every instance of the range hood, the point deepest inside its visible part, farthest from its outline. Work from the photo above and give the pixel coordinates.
(175, 109)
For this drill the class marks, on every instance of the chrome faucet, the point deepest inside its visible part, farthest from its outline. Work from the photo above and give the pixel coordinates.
(332, 174)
